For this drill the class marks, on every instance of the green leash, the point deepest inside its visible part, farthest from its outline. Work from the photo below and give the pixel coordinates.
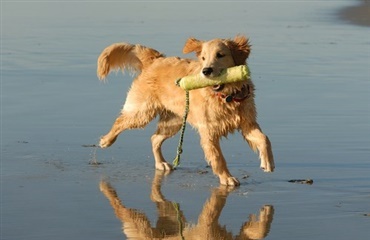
(181, 228)
(176, 161)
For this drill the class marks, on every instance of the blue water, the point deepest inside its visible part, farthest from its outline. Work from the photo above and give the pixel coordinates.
(311, 71)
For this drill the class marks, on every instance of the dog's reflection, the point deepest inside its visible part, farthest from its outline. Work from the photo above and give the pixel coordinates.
(171, 223)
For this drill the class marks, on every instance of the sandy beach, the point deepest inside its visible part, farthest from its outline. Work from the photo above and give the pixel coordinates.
(309, 63)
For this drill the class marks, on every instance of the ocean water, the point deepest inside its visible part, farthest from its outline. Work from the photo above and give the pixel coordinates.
(311, 71)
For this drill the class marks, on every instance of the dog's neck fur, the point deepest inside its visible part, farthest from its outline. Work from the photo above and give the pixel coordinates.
(237, 95)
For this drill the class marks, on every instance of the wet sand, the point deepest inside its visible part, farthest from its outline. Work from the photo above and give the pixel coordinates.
(312, 97)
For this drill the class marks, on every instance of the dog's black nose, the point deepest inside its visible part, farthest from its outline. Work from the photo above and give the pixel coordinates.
(207, 71)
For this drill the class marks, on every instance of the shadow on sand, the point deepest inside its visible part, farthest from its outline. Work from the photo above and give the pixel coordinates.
(171, 222)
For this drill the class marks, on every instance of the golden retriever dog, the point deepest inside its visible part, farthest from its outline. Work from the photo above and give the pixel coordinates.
(214, 111)
(172, 224)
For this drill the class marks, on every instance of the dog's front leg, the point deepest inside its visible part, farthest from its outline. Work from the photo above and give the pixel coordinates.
(258, 227)
(208, 220)
(213, 154)
(170, 216)
(259, 141)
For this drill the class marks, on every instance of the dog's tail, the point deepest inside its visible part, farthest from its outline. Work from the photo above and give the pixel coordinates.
(125, 56)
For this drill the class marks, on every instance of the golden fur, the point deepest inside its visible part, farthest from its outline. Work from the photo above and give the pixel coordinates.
(172, 224)
(153, 93)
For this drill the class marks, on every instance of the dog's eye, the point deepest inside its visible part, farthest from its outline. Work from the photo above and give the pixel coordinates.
(220, 55)
(203, 58)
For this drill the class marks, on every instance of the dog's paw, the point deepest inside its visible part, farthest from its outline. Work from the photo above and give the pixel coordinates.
(267, 168)
(106, 141)
(230, 181)
(163, 166)
(265, 212)
(107, 189)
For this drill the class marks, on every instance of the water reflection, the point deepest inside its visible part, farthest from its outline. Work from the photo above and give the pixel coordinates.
(171, 222)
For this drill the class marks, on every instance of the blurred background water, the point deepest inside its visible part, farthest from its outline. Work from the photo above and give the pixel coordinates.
(311, 70)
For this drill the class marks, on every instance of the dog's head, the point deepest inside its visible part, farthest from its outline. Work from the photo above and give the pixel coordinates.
(218, 54)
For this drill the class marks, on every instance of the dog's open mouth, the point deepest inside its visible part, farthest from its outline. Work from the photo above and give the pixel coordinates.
(219, 87)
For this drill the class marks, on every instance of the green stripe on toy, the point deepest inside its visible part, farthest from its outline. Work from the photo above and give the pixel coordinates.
(229, 75)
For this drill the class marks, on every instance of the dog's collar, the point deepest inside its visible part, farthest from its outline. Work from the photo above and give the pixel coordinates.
(237, 96)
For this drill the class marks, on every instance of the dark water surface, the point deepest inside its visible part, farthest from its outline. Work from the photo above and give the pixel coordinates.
(311, 71)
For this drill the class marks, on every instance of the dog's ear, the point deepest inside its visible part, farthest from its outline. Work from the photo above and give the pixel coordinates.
(240, 49)
(193, 45)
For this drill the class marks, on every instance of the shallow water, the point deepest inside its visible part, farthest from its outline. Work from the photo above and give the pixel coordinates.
(311, 71)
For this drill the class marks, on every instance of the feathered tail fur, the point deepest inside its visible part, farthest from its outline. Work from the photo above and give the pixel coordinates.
(125, 56)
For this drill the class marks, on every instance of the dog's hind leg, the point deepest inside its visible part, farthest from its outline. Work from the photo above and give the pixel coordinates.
(259, 141)
(138, 111)
(169, 124)
(123, 122)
